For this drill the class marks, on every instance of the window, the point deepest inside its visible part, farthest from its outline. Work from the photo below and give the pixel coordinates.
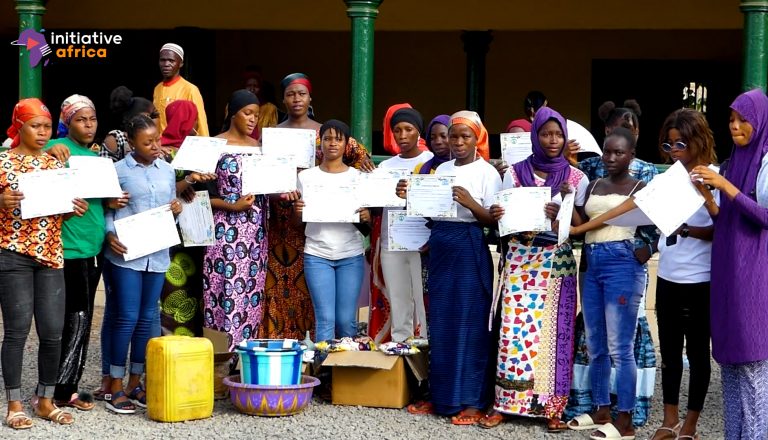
(695, 97)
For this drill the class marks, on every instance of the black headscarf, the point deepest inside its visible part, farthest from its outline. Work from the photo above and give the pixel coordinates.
(237, 101)
(410, 116)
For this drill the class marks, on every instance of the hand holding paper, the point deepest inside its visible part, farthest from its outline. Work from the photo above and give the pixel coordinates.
(523, 209)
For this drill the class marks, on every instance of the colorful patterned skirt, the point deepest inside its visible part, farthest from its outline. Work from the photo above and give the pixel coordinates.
(538, 309)
(181, 306)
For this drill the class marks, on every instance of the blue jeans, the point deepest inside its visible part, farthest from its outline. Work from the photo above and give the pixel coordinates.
(611, 296)
(334, 286)
(135, 298)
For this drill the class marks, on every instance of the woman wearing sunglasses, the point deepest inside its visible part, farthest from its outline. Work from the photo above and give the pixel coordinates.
(682, 286)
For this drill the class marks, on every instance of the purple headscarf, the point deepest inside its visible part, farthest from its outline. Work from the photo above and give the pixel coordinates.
(436, 161)
(745, 161)
(557, 168)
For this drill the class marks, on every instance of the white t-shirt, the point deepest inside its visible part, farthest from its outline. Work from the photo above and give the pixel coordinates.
(689, 260)
(332, 241)
(479, 178)
(398, 162)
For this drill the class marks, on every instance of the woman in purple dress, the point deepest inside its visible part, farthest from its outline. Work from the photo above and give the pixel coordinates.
(234, 269)
(739, 296)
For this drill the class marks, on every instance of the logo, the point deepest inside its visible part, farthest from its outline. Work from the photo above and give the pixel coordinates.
(36, 45)
(66, 44)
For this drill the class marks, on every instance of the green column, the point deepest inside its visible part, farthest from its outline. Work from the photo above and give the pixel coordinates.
(363, 15)
(755, 44)
(30, 78)
(476, 45)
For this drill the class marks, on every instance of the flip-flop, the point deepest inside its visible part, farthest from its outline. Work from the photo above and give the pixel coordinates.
(610, 433)
(82, 402)
(421, 408)
(464, 419)
(18, 415)
(490, 421)
(59, 416)
(559, 426)
(584, 422)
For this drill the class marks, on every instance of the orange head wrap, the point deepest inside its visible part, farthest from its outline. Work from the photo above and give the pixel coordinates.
(473, 121)
(23, 111)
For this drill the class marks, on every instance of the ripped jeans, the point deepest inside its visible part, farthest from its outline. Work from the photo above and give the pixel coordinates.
(611, 296)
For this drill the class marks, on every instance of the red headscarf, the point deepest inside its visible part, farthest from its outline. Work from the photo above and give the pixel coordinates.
(181, 116)
(519, 123)
(389, 139)
(473, 121)
(23, 111)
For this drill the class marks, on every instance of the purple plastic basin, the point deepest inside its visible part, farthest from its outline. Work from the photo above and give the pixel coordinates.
(270, 400)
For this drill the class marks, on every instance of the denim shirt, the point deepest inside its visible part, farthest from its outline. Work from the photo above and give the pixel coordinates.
(149, 186)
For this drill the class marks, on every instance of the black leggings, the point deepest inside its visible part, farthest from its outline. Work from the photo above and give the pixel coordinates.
(682, 313)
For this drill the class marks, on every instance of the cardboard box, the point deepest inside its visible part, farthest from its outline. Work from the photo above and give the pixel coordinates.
(372, 378)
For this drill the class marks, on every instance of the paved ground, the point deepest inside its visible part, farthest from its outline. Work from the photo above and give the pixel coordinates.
(320, 420)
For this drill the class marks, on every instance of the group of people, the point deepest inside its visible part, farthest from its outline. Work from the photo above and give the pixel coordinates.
(517, 349)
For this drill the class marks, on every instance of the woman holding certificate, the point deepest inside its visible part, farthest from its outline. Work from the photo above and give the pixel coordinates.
(739, 298)
(234, 269)
(31, 262)
(137, 280)
(402, 270)
(333, 251)
(537, 289)
(460, 282)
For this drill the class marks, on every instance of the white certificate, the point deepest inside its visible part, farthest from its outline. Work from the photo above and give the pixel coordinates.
(296, 143)
(198, 153)
(523, 209)
(431, 195)
(96, 177)
(147, 232)
(406, 233)
(238, 149)
(564, 217)
(330, 203)
(378, 188)
(196, 221)
(669, 199)
(47, 192)
(587, 142)
(515, 147)
(635, 217)
(268, 175)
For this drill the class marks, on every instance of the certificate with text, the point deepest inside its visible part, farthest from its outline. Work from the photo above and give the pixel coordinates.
(515, 147)
(299, 144)
(431, 195)
(147, 232)
(523, 209)
(196, 221)
(47, 192)
(96, 177)
(198, 153)
(268, 175)
(406, 233)
(330, 203)
(378, 188)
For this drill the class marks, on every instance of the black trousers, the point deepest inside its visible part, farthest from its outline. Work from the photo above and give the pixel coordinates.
(27, 288)
(81, 278)
(682, 313)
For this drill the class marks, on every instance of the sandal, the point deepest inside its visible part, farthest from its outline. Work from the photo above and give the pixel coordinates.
(26, 422)
(124, 407)
(491, 420)
(464, 418)
(134, 396)
(82, 403)
(673, 431)
(694, 436)
(100, 394)
(556, 425)
(58, 415)
(610, 432)
(421, 407)
(584, 422)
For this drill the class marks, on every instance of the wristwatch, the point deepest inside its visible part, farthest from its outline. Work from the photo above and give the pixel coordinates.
(684, 230)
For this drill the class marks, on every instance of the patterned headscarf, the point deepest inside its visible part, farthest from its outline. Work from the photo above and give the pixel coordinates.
(557, 168)
(745, 161)
(23, 111)
(473, 121)
(69, 107)
(181, 116)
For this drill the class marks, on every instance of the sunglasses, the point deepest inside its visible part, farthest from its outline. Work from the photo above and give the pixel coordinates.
(666, 146)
